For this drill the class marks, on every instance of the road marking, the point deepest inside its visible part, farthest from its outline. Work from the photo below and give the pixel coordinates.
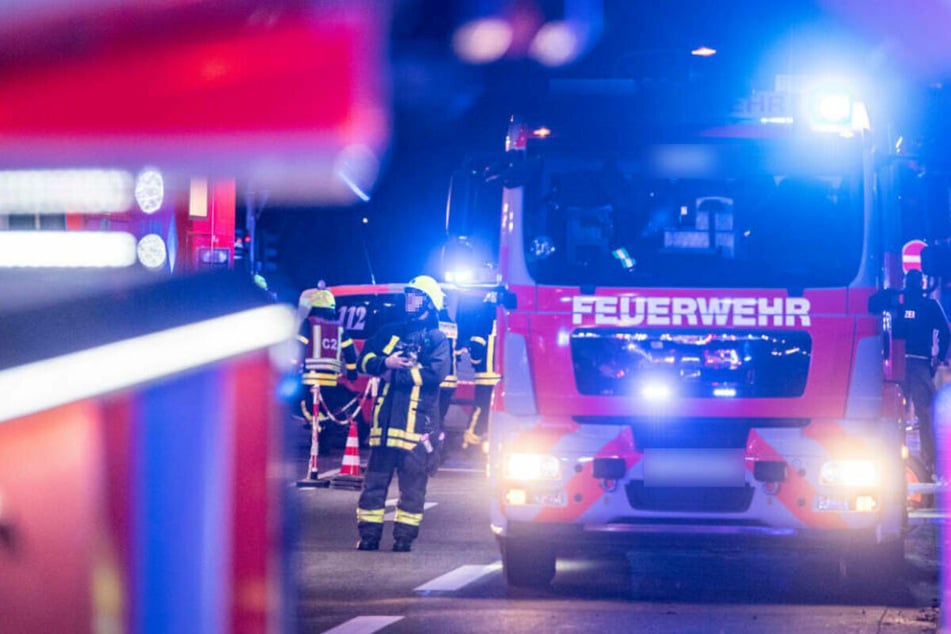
(364, 625)
(458, 578)
(391, 516)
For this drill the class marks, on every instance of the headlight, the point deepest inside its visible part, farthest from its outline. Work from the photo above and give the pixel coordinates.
(854, 473)
(532, 466)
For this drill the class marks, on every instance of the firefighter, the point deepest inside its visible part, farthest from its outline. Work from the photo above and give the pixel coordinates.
(924, 327)
(482, 354)
(412, 359)
(328, 349)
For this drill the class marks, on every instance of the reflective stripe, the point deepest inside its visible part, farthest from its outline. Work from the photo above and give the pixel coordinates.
(327, 365)
(378, 407)
(363, 364)
(304, 340)
(479, 340)
(404, 435)
(373, 516)
(411, 414)
(404, 517)
(395, 443)
(389, 347)
(351, 366)
(416, 376)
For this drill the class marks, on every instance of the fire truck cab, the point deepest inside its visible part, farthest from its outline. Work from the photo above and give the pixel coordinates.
(686, 347)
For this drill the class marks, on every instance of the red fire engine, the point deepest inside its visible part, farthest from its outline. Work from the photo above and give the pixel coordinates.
(685, 339)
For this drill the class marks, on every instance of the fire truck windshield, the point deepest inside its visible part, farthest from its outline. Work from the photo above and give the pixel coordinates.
(740, 214)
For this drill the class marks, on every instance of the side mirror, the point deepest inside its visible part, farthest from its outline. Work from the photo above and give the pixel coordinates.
(506, 298)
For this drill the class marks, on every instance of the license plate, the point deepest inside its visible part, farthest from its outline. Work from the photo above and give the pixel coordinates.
(694, 467)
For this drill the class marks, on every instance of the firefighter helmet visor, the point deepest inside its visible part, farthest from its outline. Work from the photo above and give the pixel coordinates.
(430, 288)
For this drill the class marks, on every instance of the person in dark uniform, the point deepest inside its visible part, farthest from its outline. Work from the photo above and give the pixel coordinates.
(448, 387)
(924, 327)
(482, 354)
(412, 359)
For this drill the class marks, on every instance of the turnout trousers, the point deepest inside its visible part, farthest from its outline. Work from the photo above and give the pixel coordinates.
(920, 388)
(411, 476)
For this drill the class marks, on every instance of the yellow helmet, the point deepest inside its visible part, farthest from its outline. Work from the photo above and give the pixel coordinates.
(430, 288)
(323, 299)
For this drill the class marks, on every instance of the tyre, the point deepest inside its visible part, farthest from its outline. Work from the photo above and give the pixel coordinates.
(916, 473)
(527, 564)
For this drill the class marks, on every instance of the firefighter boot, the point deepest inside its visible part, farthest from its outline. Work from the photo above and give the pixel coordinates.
(367, 544)
(402, 546)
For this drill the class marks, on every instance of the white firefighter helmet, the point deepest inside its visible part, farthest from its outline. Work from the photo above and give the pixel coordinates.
(430, 288)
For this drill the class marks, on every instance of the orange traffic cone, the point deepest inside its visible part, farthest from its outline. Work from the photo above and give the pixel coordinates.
(350, 476)
(312, 480)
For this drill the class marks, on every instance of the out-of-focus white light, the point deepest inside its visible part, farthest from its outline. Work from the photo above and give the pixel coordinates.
(703, 51)
(151, 251)
(777, 120)
(532, 466)
(358, 168)
(563, 338)
(557, 43)
(61, 191)
(482, 41)
(860, 118)
(656, 391)
(149, 190)
(119, 365)
(459, 276)
(850, 473)
(724, 392)
(834, 108)
(67, 249)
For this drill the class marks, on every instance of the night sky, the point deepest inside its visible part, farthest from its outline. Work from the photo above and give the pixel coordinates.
(443, 109)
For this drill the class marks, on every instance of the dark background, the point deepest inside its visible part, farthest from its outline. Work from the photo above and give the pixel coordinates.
(444, 109)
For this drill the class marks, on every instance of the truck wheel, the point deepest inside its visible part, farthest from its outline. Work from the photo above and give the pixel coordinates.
(915, 473)
(527, 564)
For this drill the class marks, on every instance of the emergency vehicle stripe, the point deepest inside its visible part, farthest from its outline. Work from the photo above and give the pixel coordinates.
(405, 517)
(796, 494)
(490, 352)
(837, 441)
(582, 489)
(373, 516)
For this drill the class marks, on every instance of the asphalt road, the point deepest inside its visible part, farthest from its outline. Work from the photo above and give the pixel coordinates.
(452, 580)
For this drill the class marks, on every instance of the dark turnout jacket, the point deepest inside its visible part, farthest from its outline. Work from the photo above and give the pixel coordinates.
(407, 403)
(924, 327)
